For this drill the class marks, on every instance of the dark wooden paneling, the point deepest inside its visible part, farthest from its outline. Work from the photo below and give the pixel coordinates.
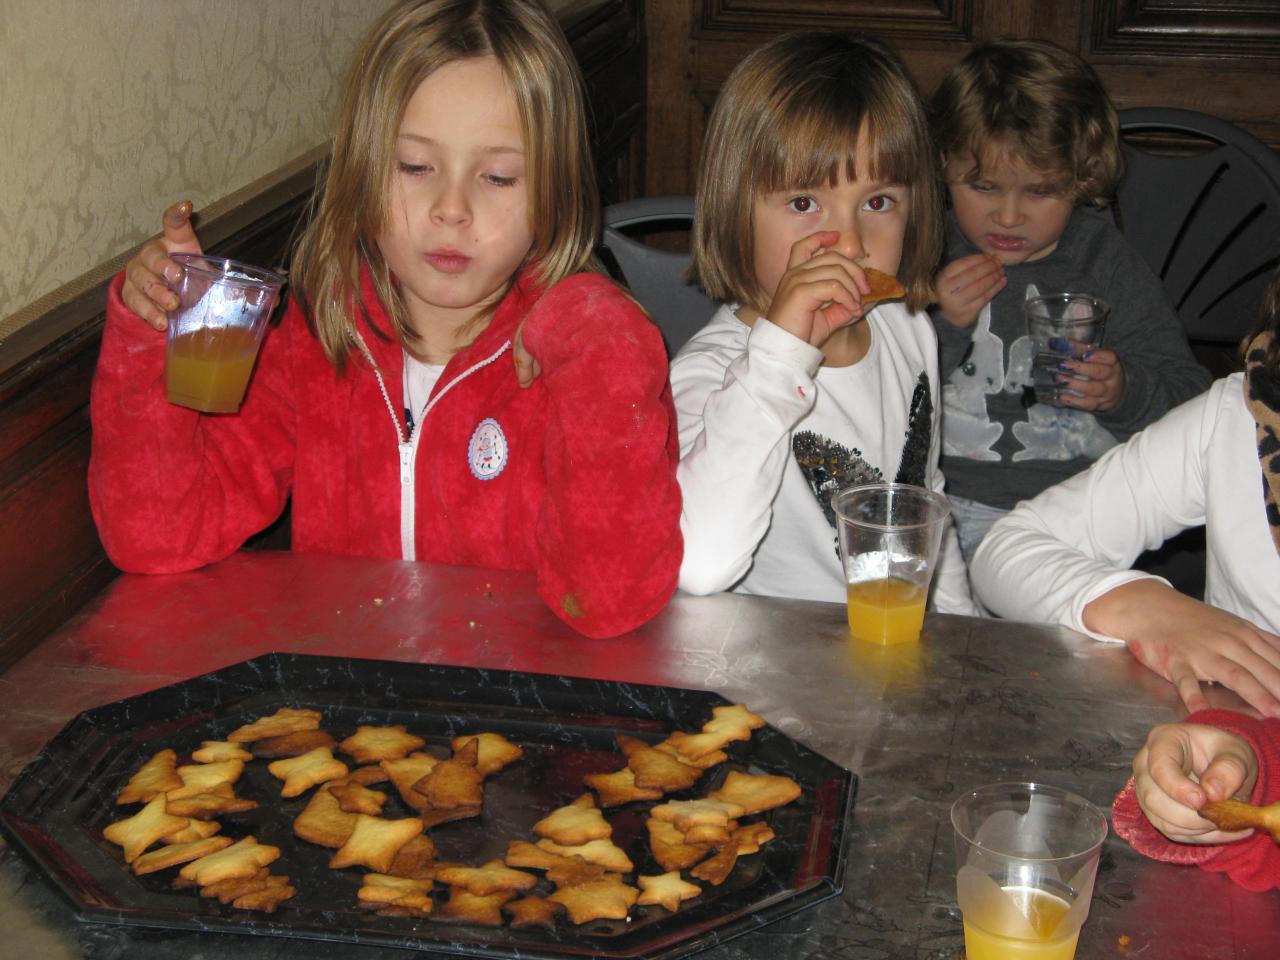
(50, 556)
(1160, 29)
(1217, 56)
(608, 38)
(941, 20)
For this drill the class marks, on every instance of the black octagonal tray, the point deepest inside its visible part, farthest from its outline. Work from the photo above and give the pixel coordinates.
(56, 810)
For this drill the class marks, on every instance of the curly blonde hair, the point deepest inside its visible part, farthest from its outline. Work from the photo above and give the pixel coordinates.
(1037, 102)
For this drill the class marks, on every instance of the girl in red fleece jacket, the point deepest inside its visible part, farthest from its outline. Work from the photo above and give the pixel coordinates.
(452, 380)
(1229, 755)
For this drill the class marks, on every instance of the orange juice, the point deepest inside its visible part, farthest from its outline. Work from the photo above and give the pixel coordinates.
(886, 611)
(209, 368)
(1044, 911)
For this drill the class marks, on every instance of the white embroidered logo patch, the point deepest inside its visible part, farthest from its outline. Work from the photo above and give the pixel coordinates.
(487, 451)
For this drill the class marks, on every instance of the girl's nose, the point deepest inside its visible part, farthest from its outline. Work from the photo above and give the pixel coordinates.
(1008, 212)
(850, 244)
(450, 205)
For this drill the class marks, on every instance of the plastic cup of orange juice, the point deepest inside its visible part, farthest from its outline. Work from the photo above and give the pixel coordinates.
(215, 332)
(1026, 858)
(889, 535)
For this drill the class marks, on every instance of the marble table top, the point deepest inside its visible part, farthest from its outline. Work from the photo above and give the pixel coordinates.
(975, 701)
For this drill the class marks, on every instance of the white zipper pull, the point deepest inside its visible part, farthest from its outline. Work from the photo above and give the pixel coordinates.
(406, 463)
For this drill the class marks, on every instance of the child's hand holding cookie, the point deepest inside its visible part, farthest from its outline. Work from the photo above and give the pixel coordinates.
(1182, 767)
(820, 292)
(966, 285)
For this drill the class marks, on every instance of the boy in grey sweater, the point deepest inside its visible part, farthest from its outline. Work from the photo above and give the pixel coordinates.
(1030, 146)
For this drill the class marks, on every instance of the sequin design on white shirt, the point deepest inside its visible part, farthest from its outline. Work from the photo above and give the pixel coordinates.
(829, 466)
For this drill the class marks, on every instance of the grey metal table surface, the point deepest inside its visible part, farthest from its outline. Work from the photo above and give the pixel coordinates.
(975, 701)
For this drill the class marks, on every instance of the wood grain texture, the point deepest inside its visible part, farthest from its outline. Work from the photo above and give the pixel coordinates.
(1221, 58)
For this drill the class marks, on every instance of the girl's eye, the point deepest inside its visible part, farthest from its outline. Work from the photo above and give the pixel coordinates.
(982, 186)
(802, 204)
(412, 169)
(498, 181)
(881, 203)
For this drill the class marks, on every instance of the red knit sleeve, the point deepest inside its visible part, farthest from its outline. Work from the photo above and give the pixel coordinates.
(172, 489)
(608, 535)
(1253, 862)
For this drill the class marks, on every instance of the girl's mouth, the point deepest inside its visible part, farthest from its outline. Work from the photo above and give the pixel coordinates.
(448, 261)
(1002, 241)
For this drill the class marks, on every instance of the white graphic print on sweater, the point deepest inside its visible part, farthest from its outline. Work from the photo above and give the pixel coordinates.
(967, 430)
(1048, 433)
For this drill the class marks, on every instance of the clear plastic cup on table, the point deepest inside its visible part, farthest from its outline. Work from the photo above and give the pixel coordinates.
(1026, 858)
(1062, 326)
(889, 535)
(215, 332)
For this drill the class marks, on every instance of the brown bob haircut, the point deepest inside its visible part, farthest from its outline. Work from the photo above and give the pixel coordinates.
(1037, 102)
(791, 116)
(411, 41)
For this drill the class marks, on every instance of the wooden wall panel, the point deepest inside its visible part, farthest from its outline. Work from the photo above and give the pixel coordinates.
(1217, 56)
(608, 38)
(945, 20)
(1235, 31)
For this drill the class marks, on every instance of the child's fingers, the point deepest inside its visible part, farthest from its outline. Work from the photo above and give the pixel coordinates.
(179, 235)
(835, 272)
(826, 258)
(1097, 383)
(978, 270)
(1223, 777)
(809, 304)
(806, 248)
(819, 294)
(147, 294)
(528, 369)
(836, 315)
(1167, 814)
(1187, 684)
(965, 286)
(1167, 758)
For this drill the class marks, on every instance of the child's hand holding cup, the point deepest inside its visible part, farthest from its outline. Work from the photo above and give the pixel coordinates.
(214, 333)
(1064, 328)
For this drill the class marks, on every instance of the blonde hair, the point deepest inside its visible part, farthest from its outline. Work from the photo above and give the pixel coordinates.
(411, 41)
(1037, 102)
(791, 115)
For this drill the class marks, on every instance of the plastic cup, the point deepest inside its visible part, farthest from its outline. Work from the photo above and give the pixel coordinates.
(1026, 857)
(1062, 326)
(889, 535)
(215, 332)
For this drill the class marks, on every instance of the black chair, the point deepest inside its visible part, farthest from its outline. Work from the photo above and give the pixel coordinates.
(1205, 214)
(656, 277)
(1207, 222)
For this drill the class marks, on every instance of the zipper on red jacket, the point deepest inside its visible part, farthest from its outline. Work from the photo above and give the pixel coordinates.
(407, 446)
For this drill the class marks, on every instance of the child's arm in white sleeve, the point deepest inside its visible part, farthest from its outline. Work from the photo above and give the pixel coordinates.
(737, 400)
(1056, 553)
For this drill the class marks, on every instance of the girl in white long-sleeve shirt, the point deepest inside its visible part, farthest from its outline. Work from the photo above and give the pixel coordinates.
(1064, 556)
(817, 167)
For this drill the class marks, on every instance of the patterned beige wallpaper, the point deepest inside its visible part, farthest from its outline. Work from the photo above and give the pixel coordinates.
(111, 109)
